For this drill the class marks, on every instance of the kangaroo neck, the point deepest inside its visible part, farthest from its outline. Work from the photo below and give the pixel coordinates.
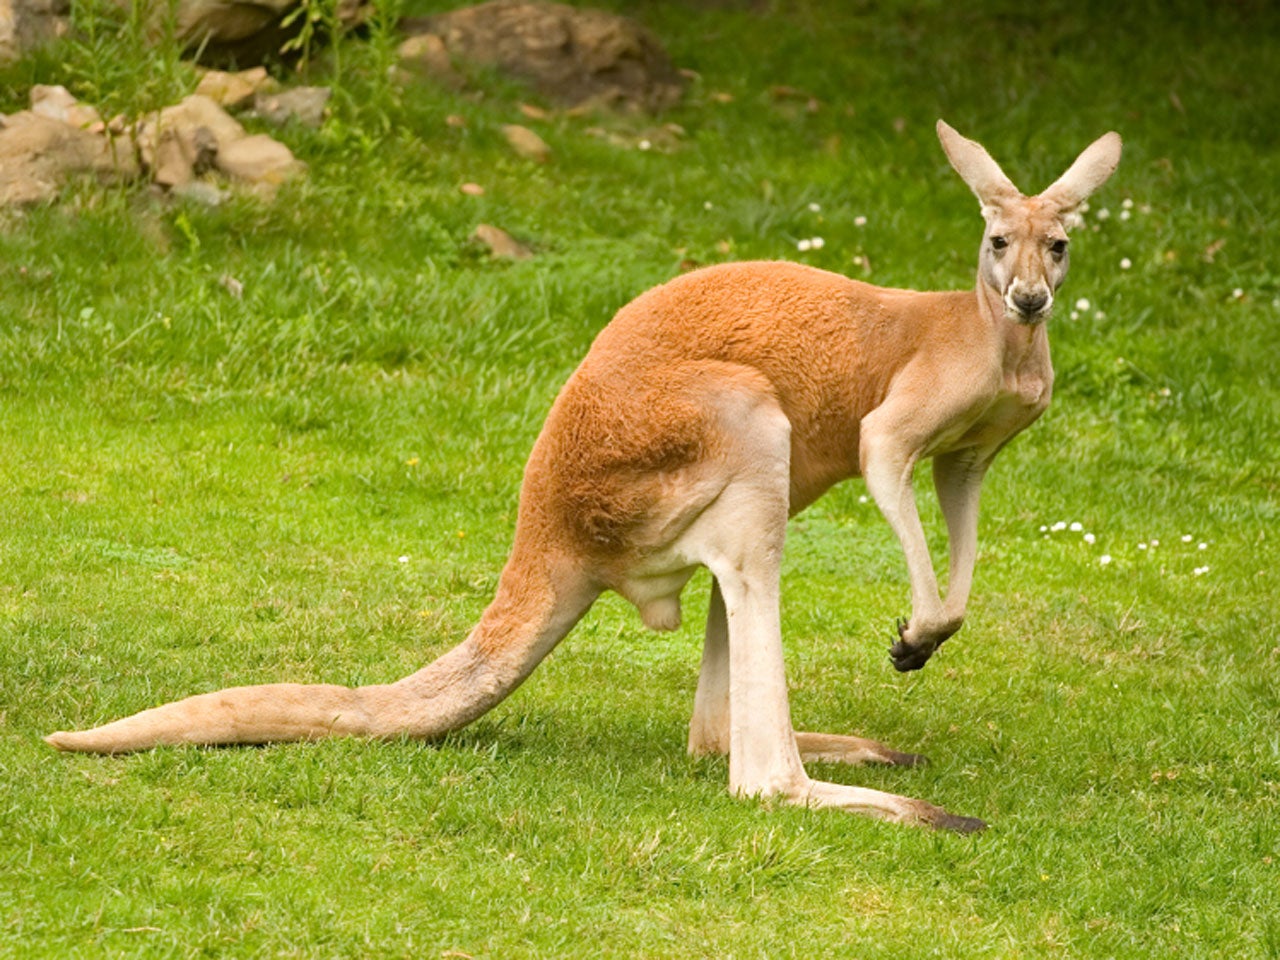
(1025, 346)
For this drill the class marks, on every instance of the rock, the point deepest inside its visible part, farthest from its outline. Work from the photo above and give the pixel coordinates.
(258, 159)
(189, 115)
(226, 22)
(527, 143)
(180, 155)
(304, 104)
(42, 147)
(57, 103)
(202, 192)
(217, 32)
(570, 55)
(26, 25)
(246, 31)
(38, 154)
(235, 90)
(425, 54)
(9, 49)
(501, 244)
(180, 142)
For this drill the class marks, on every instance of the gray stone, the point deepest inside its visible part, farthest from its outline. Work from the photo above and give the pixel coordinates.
(306, 105)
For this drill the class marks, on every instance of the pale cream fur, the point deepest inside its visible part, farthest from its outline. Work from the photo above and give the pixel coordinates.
(707, 412)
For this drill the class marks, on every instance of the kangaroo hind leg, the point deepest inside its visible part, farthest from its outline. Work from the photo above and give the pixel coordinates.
(709, 728)
(740, 538)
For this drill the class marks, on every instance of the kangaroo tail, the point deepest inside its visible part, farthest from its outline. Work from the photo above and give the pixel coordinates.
(533, 610)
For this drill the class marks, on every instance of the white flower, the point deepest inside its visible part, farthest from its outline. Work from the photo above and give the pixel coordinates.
(1089, 538)
(1125, 214)
(1104, 559)
(1043, 528)
(1186, 538)
(706, 205)
(814, 207)
(859, 221)
(1155, 542)
(1127, 203)
(1125, 263)
(1076, 527)
(804, 244)
(1201, 571)
(1237, 294)
(818, 243)
(1142, 546)
(1082, 304)
(863, 498)
(1075, 315)
(1099, 314)
(644, 145)
(1060, 525)
(1104, 214)
(1202, 546)
(404, 559)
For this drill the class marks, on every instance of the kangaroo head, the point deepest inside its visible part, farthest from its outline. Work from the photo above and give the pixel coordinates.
(1024, 248)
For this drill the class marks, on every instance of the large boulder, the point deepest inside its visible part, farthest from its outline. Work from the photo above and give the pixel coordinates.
(246, 31)
(570, 55)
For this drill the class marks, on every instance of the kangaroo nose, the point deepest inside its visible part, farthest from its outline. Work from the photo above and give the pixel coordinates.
(1029, 304)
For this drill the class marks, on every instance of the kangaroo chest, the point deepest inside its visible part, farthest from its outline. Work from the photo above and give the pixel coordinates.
(1019, 400)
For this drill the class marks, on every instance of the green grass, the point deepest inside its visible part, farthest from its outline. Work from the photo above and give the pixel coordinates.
(200, 490)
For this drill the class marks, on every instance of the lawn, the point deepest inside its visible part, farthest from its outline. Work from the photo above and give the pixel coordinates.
(316, 480)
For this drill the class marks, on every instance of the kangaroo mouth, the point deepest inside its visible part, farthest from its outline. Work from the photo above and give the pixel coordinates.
(1029, 318)
(1026, 310)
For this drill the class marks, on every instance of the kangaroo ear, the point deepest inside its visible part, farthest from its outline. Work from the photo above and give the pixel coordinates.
(976, 168)
(1087, 174)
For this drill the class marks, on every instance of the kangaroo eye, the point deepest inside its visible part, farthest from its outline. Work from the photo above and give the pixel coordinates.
(999, 243)
(1058, 248)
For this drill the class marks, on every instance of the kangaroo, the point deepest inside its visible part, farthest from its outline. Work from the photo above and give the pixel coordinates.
(707, 412)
